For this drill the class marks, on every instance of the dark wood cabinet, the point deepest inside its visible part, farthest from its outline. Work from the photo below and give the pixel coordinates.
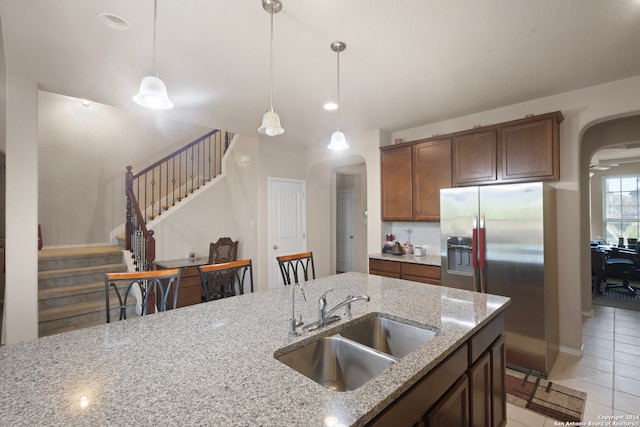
(474, 158)
(190, 291)
(431, 173)
(396, 184)
(412, 176)
(529, 151)
(453, 408)
(405, 270)
(466, 389)
(517, 151)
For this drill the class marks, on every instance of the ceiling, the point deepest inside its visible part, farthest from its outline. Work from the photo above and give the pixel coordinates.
(407, 63)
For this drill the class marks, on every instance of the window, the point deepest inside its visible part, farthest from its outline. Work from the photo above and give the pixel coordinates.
(621, 208)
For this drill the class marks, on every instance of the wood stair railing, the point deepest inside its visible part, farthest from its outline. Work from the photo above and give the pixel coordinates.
(156, 188)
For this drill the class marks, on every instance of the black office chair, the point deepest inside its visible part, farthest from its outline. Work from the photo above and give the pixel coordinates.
(623, 264)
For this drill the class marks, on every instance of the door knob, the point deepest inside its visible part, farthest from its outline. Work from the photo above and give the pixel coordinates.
(275, 247)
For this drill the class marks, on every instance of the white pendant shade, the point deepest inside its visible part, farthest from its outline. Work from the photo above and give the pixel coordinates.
(271, 124)
(153, 94)
(338, 141)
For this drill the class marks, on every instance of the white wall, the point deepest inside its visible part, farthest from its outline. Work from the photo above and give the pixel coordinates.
(21, 293)
(581, 109)
(83, 154)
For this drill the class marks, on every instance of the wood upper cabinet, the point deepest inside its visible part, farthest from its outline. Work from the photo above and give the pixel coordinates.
(397, 184)
(431, 172)
(474, 158)
(517, 151)
(529, 151)
(412, 176)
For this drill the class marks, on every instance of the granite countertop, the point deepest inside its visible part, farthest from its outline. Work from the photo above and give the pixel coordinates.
(213, 364)
(427, 260)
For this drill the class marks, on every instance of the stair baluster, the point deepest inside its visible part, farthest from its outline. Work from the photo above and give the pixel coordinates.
(199, 168)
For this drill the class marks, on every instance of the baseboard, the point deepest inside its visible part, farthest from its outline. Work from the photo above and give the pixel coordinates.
(587, 313)
(572, 351)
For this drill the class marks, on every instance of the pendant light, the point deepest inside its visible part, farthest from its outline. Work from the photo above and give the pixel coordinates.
(270, 121)
(338, 141)
(153, 92)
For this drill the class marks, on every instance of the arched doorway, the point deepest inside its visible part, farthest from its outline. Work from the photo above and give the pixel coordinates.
(618, 132)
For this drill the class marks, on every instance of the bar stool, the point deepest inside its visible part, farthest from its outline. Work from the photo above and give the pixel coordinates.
(154, 283)
(292, 265)
(225, 279)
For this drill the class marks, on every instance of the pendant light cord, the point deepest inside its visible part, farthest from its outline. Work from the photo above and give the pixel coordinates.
(271, 62)
(338, 53)
(155, 8)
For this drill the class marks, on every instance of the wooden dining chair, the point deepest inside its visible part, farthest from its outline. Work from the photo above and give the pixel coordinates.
(155, 287)
(225, 279)
(296, 266)
(223, 250)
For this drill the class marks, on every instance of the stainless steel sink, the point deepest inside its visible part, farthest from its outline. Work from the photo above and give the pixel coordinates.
(337, 363)
(387, 335)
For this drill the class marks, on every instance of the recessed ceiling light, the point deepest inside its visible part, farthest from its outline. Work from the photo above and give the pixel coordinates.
(114, 21)
(330, 106)
(85, 102)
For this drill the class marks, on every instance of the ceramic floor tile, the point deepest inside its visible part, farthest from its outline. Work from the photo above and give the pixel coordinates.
(628, 331)
(598, 351)
(524, 416)
(599, 342)
(633, 349)
(597, 333)
(626, 402)
(598, 324)
(627, 359)
(593, 411)
(600, 364)
(627, 385)
(628, 322)
(627, 371)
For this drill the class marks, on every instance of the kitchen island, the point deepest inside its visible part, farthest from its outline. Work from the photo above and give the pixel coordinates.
(213, 363)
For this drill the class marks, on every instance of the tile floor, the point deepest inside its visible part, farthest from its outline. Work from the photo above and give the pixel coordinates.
(609, 371)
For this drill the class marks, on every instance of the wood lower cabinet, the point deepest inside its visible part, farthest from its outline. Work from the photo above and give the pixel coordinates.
(431, 173)
(190, 291)
(466, 389)
(396, 184)
(405, 270)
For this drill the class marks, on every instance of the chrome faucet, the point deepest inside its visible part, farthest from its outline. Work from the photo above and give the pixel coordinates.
(293, 323)
(325, 317)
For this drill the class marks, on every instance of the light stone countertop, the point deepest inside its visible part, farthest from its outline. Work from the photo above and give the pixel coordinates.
(212, 363)
(427, 260)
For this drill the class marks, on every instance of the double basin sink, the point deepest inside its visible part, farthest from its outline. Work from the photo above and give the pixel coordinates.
(347, 359)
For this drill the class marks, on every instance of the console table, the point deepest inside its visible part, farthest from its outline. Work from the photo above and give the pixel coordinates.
(190, 291)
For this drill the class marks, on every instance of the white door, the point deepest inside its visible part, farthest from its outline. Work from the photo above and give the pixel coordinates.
(287, 222)
(345, 242)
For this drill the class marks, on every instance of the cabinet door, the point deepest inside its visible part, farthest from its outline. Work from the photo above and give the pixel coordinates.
(384, 268)
(498, 386)
(475, 158)
(396, 184)
(480, 392)
(431, 172)
(529, 151)
(453, 408)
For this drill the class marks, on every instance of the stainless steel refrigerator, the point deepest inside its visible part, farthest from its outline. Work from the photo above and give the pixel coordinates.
(501, 239)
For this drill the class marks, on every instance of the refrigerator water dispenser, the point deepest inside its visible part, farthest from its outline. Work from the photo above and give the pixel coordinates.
(459, 255)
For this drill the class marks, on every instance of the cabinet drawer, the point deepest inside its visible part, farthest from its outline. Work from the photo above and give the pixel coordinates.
(384, 266)
(422, 270)
(481, 341)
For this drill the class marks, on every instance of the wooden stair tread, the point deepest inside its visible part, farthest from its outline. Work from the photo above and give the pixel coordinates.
(106, 268)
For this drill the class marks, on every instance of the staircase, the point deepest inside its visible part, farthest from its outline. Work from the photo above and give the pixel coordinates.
(71, 287)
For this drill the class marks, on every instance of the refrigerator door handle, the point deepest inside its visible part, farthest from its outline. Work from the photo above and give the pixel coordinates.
(474, 251)
(482, 252)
